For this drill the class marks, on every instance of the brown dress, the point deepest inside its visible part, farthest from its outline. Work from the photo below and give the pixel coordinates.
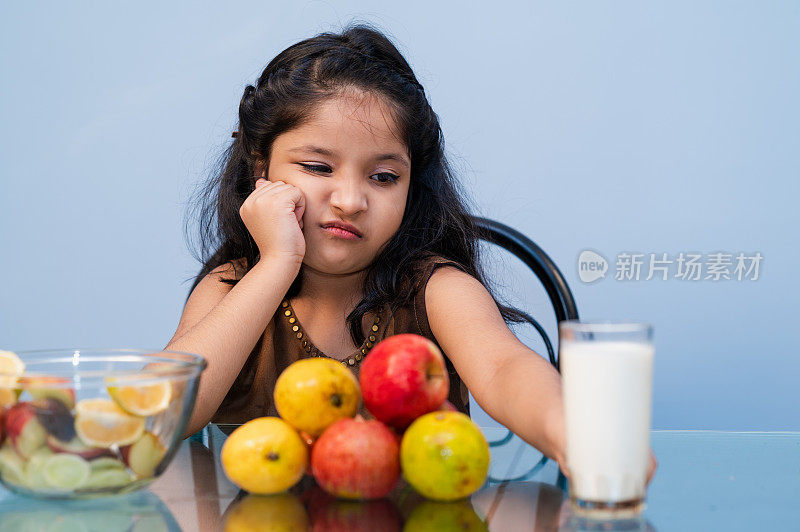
(251, 394)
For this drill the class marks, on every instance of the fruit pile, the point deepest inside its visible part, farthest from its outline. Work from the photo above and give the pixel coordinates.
(53, 444)
(416, 431)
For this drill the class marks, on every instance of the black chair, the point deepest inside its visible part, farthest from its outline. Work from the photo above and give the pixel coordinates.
(554, 284)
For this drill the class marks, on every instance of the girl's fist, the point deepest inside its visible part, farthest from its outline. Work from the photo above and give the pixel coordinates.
(273, 214)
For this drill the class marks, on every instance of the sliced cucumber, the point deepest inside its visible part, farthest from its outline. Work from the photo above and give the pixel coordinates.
(16, 478)
(34, 476)
(107, 478)
(12, 467)
(106, 462)
(39, 456)
(66, 471)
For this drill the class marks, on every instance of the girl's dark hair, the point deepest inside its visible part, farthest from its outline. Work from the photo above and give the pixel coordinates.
(436, 221)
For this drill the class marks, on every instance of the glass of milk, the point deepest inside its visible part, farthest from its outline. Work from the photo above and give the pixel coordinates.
(607, 371)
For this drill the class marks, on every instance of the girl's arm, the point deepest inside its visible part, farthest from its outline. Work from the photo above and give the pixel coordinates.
(511, 382)
(223, 324)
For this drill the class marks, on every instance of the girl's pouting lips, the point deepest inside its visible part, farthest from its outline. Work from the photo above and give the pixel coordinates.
(341, 233)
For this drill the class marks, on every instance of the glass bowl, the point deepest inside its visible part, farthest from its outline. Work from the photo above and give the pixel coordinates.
(143, 511)
(84, 423)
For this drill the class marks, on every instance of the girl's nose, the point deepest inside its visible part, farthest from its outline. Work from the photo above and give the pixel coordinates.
(349, 196)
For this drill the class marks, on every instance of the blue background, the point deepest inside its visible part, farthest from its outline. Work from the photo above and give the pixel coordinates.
(641, 127)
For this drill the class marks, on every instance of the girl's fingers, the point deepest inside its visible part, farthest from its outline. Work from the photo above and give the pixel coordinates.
(261, 181)
(300, 208)
(277, 187)
(271, 185)
(653, 467)
(263, 187)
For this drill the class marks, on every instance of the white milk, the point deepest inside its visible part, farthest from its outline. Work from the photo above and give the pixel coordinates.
(607, 396)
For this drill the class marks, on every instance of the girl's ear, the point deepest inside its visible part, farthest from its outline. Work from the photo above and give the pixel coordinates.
(260, 169)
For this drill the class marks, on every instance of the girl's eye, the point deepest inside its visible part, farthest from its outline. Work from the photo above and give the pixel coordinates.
(390, 178)
(385, 177)
(320, 168)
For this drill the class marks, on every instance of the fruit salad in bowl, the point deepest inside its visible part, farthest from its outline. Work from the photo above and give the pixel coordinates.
(82, 423)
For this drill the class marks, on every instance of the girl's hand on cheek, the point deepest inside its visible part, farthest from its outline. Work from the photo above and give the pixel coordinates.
(273, 214)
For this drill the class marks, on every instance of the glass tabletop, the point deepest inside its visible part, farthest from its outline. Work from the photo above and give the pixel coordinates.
(706, 480)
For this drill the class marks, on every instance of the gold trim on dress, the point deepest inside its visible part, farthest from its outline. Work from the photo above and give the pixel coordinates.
(313, 351)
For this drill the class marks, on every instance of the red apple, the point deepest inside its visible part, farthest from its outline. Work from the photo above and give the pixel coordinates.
(76, 446)
(403, 377)
(23, 429)
(356, 459)
(144, 455)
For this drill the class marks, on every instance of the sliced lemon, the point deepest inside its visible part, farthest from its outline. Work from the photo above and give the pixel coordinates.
(142, 400)
(10, 368)
(102, 423)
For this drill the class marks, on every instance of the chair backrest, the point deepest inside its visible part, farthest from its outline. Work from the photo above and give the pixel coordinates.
(542, 266)
(557, 290)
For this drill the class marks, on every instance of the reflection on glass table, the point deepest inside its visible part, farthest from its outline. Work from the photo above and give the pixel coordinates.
(705, 481)
(141, 512)
(532, 501)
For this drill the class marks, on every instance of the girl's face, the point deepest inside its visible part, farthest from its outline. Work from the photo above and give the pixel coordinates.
(351, 167)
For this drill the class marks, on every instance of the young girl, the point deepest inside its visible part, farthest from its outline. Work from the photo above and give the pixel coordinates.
(336, 222)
